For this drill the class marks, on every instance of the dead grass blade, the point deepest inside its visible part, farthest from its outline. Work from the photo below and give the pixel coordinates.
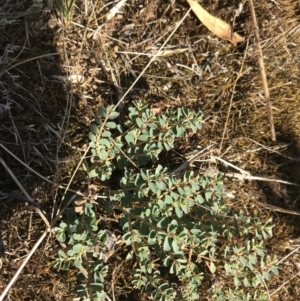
(116, 9)
(254, 178)
(263, 71)
(288, 255)
(245, 175)
(215, 25)
(273, 150)
(36, 173)
(232, 95)
(26, 61)
(152, 59)
(11, 282)
(278, 289)
(35, 207)
(276, 208)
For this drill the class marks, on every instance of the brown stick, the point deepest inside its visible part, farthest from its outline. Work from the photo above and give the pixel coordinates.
(277, 209)
(263, 71)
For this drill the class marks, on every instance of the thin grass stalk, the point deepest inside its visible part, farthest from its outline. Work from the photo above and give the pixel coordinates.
(263, 71)
(65, 7)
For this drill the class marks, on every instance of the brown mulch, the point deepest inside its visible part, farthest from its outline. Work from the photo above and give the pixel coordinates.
(44, 118)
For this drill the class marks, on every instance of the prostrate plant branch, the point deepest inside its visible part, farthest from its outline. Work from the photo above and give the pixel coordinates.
(171, 220)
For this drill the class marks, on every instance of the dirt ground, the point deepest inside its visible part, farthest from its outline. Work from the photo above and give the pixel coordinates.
(55, 74)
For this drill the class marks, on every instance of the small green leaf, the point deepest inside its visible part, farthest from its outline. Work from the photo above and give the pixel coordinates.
(161, 185)
(152, 237)
(252, 259)
(173, 268)
(208, 195)
(167, 243)
(228, 268)
(77, 248)
(120, 128)
(173, 225)
(168, 145)
(266, 275)
(143, 138)
(98, 120)
(63, 225)
(101, 296)
(196, 231)
(175, 195)
(78, 262)
(184, 208)
(105, 142)
(93, 173)
(175, 246)
(144, 228)
(178, 131)
(259, 278)
(92, 137)
(94, 129)
(81, 290)
(62, 254)
(163, 223)
(66, 265)
(97, 287)
(164, 286)
(93, 145)
(122, 162)
(139, 122)
(168, 199)
(199, 199)
(127, 237)
(57, 264)
(246, 282)
(111, 125)
(274, 270)
(130, 138)
(243, 261)
(260, 252)
(113, 115)
(161, 204)
(237, 282)
(106, 134)
(162, 122)
(167, 261)
(153, 187)
(212, 267)
(178, 212)
(102, 154)
(102, 111)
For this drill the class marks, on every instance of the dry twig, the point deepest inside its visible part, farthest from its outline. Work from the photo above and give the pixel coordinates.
(283, 284)
(14, 278)
(231, 98)
(263, 71)
(276, 208)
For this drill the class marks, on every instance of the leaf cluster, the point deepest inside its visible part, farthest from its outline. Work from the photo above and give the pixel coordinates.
(65, 8)
(173, 224)
(88, 247)
(138, 140)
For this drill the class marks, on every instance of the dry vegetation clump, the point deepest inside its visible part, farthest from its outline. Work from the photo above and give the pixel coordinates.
(54, 75)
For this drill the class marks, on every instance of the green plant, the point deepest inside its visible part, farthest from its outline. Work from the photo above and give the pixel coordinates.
(177, 227)
(65, 8)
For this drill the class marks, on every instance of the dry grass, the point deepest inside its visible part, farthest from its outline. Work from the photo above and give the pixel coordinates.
(44, 117)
